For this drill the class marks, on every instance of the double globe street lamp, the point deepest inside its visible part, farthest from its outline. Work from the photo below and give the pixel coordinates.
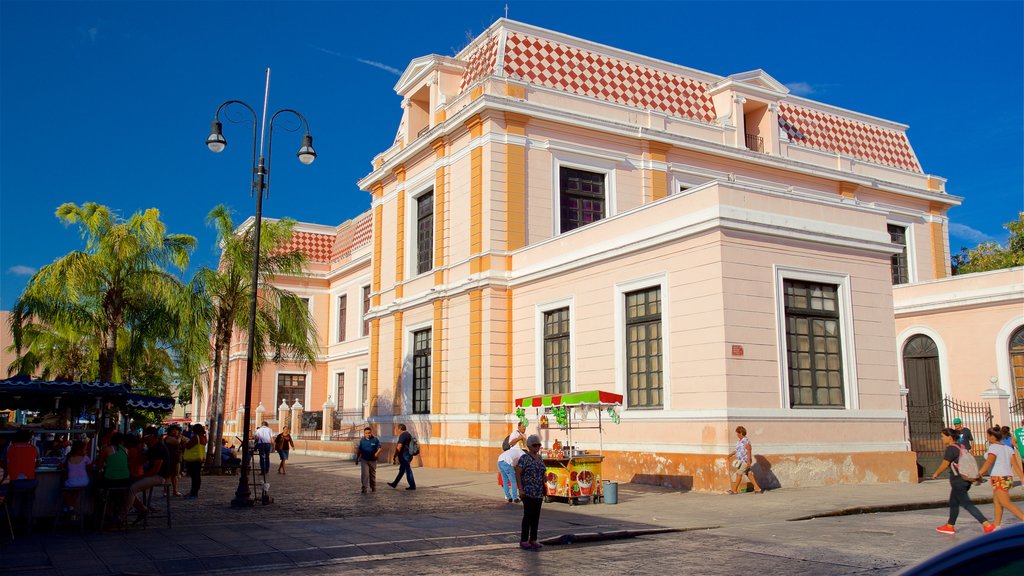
(260, 186)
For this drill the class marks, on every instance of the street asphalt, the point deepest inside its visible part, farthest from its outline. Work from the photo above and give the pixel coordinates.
(319, 519)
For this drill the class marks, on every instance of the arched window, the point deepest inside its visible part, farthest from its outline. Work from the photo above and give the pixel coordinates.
(1017, 362)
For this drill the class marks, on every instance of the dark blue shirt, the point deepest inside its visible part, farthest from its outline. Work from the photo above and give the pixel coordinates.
(368, 448)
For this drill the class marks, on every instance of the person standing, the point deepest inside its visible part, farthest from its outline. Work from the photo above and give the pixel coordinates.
(1001, 459)
(507, 466)
(195, 453)
(366, 457)
(283, 444)
(174, 449)
(517, 437)
(530, 475)
(264, 436)
(403, 458)
(964, 436)
(958, 487)
(741, 465)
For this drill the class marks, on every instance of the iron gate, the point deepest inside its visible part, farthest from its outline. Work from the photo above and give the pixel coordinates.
(926, 424)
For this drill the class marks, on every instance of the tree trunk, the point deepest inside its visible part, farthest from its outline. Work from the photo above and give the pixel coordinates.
(214, 379)
(108, 353)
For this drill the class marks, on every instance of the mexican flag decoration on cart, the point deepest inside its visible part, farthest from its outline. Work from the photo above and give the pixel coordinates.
(593, 397)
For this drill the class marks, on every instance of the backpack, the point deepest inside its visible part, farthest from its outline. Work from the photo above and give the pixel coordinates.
(966, 466)
(505, 445)
(414, 447)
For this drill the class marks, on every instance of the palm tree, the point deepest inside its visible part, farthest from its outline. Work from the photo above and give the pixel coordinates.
(117, 278)
(54, 353)
(284, 326)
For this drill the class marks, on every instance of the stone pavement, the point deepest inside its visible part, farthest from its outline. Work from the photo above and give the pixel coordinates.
(319, 516)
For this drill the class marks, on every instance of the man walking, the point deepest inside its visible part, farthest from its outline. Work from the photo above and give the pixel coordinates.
(403, 458)
(366, 457)
(965, 438)
(264, 438)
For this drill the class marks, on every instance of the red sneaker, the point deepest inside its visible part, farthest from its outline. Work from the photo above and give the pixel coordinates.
(946, 529)
(989, 529)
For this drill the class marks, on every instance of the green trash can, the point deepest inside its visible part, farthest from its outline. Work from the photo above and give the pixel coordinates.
(611, 492)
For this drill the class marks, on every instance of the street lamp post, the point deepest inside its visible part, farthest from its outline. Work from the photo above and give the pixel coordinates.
(260, 185)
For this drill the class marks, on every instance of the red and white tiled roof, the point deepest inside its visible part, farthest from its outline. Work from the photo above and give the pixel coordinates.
(317, 247)
(353, 237)
(822, 131)
(560, 66)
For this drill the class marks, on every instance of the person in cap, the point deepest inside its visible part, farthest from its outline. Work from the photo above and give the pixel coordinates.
(964, 438)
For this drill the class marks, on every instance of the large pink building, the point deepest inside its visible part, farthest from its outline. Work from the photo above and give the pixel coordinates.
(556, 215)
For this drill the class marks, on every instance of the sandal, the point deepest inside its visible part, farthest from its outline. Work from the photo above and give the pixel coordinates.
(758, 491)
(730, 492)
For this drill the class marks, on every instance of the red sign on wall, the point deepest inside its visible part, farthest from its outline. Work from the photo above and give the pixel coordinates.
(737, 350)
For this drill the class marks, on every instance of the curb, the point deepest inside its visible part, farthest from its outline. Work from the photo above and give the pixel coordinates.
(905, 507)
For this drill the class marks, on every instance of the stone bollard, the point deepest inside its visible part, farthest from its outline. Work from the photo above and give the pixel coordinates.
(297, 417)
(328, 423)
(282, 416)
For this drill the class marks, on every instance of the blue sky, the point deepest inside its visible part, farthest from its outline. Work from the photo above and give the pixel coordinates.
(111, 102)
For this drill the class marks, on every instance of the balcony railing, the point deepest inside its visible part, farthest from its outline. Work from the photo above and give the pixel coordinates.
(755, 143)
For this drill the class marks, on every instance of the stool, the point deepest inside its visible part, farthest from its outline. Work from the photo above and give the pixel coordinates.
(148, 499)
(7, 511)
(23, 489)
(122, 513)
(72, 514)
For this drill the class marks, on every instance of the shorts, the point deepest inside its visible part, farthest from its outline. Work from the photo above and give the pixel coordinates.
(1003, 483)
(76, 485)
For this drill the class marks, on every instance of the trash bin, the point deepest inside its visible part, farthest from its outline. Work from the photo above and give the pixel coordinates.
(611, 492)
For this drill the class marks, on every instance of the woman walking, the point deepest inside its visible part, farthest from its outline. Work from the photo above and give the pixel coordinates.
(283, 443)
(195, 452)
(530, 475)
(743, 459)
(1000, 459)
(958, 486)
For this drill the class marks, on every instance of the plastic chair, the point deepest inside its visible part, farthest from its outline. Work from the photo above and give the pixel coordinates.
(4, 488)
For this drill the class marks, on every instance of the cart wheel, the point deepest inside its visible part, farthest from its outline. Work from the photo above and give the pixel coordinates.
(594, 499)
(547, 499)
(572, 501)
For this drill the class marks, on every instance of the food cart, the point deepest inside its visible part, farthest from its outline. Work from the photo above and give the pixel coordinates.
(573, 474)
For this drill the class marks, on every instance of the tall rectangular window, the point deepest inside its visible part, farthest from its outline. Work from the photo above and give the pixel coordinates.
(342, 316)
(424, 232)
(898, 236)
(813, 347)
(339, 390)
(421, 371)
(291, 387)
(366, 309)
(364, 386)
(581, 197)
(557, 359)
(643, 348)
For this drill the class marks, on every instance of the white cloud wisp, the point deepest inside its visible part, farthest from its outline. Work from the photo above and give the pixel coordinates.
(21, 270)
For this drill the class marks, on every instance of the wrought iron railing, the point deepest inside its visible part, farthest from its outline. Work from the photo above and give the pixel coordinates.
(1016, 414)
(755, 143)
(926, 424)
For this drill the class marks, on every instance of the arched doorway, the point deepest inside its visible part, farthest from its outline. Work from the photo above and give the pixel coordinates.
(1017, 365)
(924, 396)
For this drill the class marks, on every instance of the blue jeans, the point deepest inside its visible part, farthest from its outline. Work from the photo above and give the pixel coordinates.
(264, 449)
(404, 469)
(508, 474)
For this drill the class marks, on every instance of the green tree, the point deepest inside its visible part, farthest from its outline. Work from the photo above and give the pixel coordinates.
(54, 353)
(120, 276)
(284, 327)
(991, 255)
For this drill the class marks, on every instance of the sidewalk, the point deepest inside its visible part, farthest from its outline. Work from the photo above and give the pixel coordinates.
(319, 516)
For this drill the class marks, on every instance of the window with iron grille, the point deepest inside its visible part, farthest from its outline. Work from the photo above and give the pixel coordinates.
(291, 387)
(421, 372)
(339, 390)
(1017, 363)
(366, 309)
(813, 346)
(557, 359)
(425, 232)
(582, 197)
(644, 384)
(342, 316)
(898, 236)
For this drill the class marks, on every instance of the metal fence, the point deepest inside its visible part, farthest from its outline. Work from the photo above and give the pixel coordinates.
(348, 424)
(1016, 414)
(926, 424)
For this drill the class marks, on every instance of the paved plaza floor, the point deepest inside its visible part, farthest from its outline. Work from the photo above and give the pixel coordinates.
(320, 518)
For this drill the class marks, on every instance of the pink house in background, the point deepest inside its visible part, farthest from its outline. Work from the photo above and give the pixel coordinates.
(556, 215)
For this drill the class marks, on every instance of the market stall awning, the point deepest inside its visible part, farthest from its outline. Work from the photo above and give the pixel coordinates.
(150, 402)
(587, 397)
(29, 393)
